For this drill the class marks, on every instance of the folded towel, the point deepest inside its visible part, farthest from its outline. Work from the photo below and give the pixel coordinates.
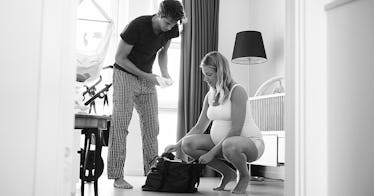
(164, 82)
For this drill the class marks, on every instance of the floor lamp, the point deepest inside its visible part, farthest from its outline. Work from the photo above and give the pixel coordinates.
(249, 48)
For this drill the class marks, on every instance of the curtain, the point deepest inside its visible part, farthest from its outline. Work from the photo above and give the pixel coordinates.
(199, 36)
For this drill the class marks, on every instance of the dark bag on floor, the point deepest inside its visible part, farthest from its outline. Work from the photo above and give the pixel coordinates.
(168, 175)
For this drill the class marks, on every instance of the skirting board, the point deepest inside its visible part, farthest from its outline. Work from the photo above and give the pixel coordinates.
(268, 171)
(134, 172)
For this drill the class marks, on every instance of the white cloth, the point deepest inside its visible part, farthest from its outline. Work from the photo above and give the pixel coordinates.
(90, 62)
(164, 82)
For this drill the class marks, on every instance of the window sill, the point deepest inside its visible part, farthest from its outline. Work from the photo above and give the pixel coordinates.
(164, 109)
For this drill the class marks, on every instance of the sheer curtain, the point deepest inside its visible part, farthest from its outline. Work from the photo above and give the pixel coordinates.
(200, 36)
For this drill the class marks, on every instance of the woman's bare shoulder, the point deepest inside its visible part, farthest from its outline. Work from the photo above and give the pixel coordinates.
(239, 93)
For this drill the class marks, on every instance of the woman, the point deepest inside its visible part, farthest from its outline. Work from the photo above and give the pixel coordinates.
(233, 136)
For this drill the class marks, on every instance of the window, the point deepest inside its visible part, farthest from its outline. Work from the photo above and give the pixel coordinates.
(168, 97)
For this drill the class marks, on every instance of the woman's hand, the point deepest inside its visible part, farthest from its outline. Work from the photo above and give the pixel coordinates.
(206, 158)
(171, 148)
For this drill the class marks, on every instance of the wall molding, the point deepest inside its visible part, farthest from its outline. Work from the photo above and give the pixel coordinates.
(134, 172)
(300, 178)
(55, 115)
(337, 3)
(268, 171)
(295, 182)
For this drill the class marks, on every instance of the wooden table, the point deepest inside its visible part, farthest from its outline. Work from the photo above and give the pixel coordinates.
(84, 121)
(94, 127)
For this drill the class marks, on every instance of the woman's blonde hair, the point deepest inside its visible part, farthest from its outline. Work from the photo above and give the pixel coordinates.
(220, 65)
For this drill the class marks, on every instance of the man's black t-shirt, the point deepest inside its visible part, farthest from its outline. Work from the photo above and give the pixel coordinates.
(139, 33)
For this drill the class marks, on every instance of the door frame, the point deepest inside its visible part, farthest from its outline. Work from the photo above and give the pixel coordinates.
(305, 102)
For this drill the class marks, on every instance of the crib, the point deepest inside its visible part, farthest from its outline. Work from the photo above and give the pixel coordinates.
(268, 114)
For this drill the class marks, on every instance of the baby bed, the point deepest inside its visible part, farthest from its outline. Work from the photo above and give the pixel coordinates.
(268, 113)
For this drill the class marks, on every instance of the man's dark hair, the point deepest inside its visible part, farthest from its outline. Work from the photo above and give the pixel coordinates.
(173, 9)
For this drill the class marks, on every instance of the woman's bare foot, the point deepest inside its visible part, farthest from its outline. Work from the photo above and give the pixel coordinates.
(122, 184)
(225, 180)
(242, 185)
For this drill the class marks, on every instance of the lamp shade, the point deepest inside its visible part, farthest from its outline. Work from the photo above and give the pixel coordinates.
(249, 48)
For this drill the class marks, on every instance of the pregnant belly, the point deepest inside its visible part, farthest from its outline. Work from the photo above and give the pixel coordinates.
(219, 130)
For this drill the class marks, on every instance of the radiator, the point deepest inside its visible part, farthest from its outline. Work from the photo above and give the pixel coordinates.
(268, 111)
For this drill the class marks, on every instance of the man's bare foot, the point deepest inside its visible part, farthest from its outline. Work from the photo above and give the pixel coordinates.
(242, 185)
(225, 180)
(122, 184)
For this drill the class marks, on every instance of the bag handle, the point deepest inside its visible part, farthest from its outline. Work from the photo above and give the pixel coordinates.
(153, 159)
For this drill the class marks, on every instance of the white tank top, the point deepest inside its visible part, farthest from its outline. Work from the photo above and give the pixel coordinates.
(222, 123)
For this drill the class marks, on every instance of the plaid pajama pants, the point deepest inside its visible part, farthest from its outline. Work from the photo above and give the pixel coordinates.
(129, 91)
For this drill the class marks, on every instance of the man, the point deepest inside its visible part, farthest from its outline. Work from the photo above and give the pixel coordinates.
(134, 84)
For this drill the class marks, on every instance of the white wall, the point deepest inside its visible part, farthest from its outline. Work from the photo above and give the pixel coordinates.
(20, 62)
(140, 7)
(268, 17)
(350, 47)
(233, 17)
(36, 98)
(256, 15)
(243, 15)
(314, 88)
(305, 122)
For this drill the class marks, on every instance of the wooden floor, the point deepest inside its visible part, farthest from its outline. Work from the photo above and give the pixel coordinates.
(268, 187)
